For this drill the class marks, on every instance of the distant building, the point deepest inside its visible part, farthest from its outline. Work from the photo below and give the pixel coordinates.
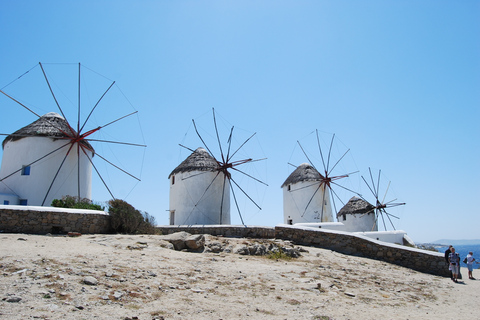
(38, 165)
(199, 192)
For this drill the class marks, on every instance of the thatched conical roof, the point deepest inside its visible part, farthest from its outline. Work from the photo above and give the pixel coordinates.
(199, 160)
(304, 172)
(51, 125)
(356, 206)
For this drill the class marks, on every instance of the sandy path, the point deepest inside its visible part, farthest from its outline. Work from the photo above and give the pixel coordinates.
(137, 277)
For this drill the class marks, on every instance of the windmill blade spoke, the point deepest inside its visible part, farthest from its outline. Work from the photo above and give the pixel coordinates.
(391, 205)
(311, 198)
(218, 137)
(323, 204)
(336, 195)
(385, 195)
(181, 145)
(231, 179)
(99, 175)
(131, 175)
(223, 196)
(112, 122)
(78, 117)
(242, 145)
(319, 183)
(238, 208)
(43, 157)
(339, 185)
(329, 153)
(198, 134)
(229, 141)
(368, 186)
(388, 217)
(117, 142)
(95, 106)
(310, 161)
(20, 103)
(292, 165)
(392, 215)
(206, 189)
(375, 222)
(250, 176)
(378, 183)
(320, 149)
(383, 219)
(336, 163)
(373, 185)
(256, 160)
(78, 170)
(56, 174)
(194, 175)
(51, 91)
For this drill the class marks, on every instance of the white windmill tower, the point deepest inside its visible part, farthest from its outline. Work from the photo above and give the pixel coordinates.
(305, 198)
(199, 191)
(35, 173)
(358, 215)
(200, 186)
(53, 157)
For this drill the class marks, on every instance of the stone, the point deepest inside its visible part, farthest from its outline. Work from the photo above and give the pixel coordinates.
(91, 281)
(195, 241)
(177, 239)
(13, 299)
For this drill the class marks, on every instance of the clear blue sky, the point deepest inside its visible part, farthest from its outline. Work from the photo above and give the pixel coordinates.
(398, 82)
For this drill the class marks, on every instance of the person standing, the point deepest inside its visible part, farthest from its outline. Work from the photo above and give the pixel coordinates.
(454, 261)
(470, 260)
(447, 257)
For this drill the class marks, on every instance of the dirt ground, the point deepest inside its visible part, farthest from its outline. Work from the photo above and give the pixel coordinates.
(136, 277)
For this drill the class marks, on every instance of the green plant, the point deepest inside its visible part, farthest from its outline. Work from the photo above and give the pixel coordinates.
(76, 203)
(126, 219)
(279, 254)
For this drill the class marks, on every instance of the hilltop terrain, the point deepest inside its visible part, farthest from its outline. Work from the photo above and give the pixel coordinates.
(138, 277)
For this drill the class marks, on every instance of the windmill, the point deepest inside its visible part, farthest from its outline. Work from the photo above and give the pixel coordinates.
(310, 193)
(381, 206)
(52, 156)
(200, 186)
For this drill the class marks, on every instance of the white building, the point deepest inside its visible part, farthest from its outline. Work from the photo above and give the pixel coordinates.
(199, 191)
(358, 216)
(305, 198)
(36, 168)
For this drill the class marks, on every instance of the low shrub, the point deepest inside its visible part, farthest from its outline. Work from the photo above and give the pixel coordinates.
(126, 219)
(76, 203)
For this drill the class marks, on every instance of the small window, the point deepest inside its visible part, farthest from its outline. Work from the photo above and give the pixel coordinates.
(173, 180)
(6, 202)
(23, 202)
(290, 221)
(172, 217)
(289, 187)
(344, 217)
(25, 170)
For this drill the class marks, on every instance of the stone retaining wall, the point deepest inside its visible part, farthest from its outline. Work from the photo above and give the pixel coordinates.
(42, 220)
(223, 230)
(344, 242)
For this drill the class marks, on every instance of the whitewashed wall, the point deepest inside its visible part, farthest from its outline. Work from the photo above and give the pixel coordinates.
(296, 199)
(194, 202)
(34, 187)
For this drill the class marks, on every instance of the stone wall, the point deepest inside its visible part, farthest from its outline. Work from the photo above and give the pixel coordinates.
(347, 243)
(223, 230)
(42, 220)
